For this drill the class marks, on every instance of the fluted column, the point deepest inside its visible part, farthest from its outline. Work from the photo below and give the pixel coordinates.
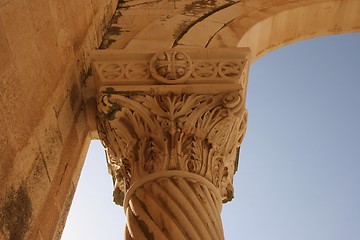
(172, 122)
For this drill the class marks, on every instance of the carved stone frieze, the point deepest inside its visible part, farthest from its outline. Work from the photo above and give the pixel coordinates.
(171, 66)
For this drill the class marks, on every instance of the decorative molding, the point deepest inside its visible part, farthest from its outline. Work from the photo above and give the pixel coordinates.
(214, 66)
(170, 67)
(177, 109)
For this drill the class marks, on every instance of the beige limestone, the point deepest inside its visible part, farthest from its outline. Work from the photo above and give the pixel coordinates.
(47, 92)
(262, 25)
(43, 131)
(172, 122)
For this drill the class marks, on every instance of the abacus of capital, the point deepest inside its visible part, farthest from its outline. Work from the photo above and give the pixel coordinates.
(172, 122)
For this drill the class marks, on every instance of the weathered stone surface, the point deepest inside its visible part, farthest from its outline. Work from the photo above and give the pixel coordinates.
(15, 214)
(207, 23)
(172, 122)
(45, 122)
(43, 48)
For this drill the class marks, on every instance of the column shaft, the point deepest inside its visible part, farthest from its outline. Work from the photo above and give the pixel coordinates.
(174, 205)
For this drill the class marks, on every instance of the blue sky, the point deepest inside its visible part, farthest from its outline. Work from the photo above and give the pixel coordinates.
(299, 171)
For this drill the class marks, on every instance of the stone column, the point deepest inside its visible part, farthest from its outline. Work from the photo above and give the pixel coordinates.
(172, 122)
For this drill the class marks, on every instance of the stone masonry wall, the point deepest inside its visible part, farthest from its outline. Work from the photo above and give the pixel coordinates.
(44, 133)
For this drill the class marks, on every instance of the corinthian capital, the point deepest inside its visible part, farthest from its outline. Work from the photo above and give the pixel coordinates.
(172, 110)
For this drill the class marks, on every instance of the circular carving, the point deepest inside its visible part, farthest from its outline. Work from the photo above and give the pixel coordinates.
(232, 100)
(229, 69)
(170, 67)
(204, 70)
(112, 71)
(137, 71)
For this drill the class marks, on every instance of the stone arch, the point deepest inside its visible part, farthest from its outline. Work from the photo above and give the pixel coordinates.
(261, 25)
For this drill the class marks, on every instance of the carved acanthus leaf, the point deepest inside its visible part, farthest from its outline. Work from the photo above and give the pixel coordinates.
(198, 133)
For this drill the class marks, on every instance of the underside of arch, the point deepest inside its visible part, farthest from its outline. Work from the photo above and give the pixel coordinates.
(261, 25)
(287, 24)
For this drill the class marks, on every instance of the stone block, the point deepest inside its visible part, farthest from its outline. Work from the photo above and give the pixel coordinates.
(248, 20)
(227, 37)
(65, 117)
(49, 218)
(151, 44)
(23, 162)
(201, 33)
(7, 156)
(51, 143)
(38, 183)
(20, 34)
(81, 123)
(15, 108)
(69, 159)
(280, 7)
(7, 76)
(40, 14)
(227, 14)
(263, 29)
(77, 15)
(74, 89)
(283, 29)
(51, 62)
(96, 5)
(62, 27)
(64, 213)
(39, 236)
(16, 213)
(81, 159)
(4, 144)
(318, 16)
(58, 15)
(348, 14)
(64, 39)
(5, 56)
